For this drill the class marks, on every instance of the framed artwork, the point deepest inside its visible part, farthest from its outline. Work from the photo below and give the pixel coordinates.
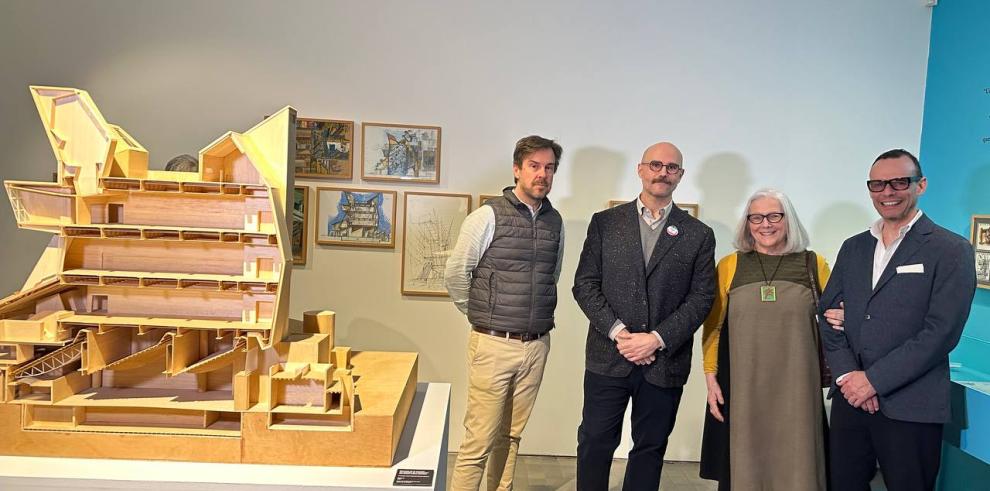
(398, 152)
(980, 237)
(355, 217)
(482, 198)
(300, 224)
(431, 224)
(324, 148)
(691, 208)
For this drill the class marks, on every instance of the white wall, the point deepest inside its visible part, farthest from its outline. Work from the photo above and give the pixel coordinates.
(800, 95)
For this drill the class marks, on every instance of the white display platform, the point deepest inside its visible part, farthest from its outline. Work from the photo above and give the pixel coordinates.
(422, 446)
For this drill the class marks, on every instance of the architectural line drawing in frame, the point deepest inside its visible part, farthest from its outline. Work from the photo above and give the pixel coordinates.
(980, 238)
(300, 224)
(398, 152)
(355, 217)
(324, 148)
(431, 224)
(691, 208)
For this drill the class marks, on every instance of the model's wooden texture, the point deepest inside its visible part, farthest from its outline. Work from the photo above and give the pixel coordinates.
(155, 324)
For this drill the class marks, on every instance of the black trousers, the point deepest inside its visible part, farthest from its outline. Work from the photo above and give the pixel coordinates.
(653, 412)
(908, 453)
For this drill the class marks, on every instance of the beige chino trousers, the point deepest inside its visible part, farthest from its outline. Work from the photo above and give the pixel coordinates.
(504, 377)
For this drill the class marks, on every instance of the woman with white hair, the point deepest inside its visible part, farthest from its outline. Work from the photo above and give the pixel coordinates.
(771, 436)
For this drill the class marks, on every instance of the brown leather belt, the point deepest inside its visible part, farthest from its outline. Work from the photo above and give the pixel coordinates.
(524, 336)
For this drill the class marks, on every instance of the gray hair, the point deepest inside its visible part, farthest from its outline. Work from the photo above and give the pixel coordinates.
(797, 236)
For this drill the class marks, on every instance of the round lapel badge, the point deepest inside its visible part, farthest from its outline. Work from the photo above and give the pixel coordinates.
(672, 231)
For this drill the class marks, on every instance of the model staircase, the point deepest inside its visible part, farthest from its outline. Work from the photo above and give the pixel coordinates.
(52, 361)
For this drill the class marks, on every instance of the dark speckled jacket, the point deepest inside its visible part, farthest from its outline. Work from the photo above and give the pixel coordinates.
(671, 295)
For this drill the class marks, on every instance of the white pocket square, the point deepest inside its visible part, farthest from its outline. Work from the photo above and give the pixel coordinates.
(911, 268)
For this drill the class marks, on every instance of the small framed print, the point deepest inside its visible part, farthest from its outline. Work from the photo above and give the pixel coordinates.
(324, 148)
(431, 224)
(300, 224)
(980, 238)
(483, 198)
(690, 208)
(400, 152)
(355, 217)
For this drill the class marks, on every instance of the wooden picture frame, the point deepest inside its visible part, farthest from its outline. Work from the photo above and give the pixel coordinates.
(324, 149)
(691, 208)
(300, 224)
(400, 152)
(355, 217)
(431, 223)
(979, 236)
(482, 198)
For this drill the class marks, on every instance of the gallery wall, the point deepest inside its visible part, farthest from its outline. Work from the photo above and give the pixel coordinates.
(799, 95)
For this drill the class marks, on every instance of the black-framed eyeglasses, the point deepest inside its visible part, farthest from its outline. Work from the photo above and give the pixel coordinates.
(897, 183)
(756, 218)
(657, 166)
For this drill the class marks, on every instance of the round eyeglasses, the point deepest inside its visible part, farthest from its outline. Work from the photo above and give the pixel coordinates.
(756, 218)
(657, 166)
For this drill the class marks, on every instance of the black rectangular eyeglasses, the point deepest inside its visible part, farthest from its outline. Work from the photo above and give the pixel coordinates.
(897, 183)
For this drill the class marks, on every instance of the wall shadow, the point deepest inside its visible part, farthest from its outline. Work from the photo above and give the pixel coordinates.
(724, 182)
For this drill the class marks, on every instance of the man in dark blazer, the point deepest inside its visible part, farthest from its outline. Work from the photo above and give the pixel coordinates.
(906, 286)
(646, 281)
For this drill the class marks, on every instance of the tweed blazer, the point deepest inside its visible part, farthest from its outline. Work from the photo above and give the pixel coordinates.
(671, 295)
(901, 332)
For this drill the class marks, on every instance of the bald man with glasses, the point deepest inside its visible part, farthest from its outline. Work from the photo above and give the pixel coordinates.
(646, 281)
(898, 300)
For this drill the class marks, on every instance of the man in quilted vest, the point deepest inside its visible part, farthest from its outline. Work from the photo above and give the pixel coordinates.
(503, 274)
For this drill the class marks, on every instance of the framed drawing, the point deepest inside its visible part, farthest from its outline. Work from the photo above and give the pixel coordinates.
(300, 224)
(431, 224)
(980, 237)
(355, 217)
(482, 198)
(398, 152)
(324, 148)
(691, 208)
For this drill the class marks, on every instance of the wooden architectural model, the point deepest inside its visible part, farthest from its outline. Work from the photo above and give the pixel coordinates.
(156, 323)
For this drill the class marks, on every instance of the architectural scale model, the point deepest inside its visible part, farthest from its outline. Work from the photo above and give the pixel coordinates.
(156, 323)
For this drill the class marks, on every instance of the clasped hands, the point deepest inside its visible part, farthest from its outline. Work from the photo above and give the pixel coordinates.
(855, 387)
(637, 347)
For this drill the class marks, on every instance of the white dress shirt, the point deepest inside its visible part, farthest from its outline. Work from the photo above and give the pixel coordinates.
(476, 235)
(883, 253)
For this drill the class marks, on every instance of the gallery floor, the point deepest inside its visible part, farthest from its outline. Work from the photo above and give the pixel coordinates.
(541, 473)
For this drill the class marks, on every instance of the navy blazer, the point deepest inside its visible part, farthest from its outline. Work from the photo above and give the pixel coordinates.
(902, 331)
(671, 295)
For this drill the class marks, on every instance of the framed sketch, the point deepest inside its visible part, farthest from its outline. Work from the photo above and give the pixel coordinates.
(980, 237)
(431, 224)
(482, 198)
(300, 224)
(691, 208)
(398, 152)
(355, 217)
(324, 148)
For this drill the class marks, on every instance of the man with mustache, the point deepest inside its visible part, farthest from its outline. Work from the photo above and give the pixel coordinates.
(646, 281)
(899, 297)
(503, 274)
